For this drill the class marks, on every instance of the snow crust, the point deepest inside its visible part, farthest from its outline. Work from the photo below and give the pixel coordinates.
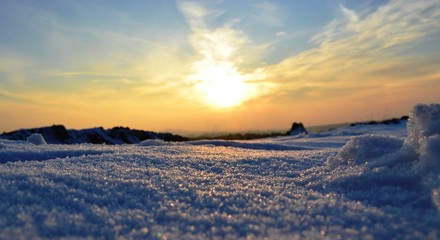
(362, 182)
(36, 139)
(424, 137)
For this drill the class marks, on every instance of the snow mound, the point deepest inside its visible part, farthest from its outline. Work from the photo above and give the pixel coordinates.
(424, 122)
(421, 146)
(424, 137)
(436, 197)
(416, 156)
(37, 139)
(153, 142)
(367, 149)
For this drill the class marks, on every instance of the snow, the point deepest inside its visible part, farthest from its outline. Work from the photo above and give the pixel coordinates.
(367, 149)
(361, 182)
(424, 137)
(36, 139)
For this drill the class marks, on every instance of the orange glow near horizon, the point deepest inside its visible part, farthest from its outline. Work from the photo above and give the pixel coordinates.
(199, 66)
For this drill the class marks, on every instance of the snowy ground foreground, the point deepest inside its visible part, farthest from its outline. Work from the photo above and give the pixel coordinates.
(380, 181)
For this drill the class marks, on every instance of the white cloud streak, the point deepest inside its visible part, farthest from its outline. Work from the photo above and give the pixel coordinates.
(267, 13)
(217, 73)
(352, 41)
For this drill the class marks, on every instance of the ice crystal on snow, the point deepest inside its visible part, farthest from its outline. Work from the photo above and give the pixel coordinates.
(363, 182)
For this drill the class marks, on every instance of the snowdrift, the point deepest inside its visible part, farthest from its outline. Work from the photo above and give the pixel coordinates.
(421, 146)
(418, 154)
(361, 182)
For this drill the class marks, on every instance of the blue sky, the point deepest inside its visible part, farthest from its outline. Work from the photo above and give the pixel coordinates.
(214, 65)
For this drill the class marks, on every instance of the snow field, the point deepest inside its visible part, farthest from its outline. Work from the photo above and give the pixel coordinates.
(365, 182)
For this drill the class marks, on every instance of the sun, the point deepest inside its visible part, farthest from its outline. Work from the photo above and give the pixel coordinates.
(221, 84)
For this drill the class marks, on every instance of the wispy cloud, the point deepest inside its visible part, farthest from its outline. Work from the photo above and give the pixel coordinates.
(71, 61)
(267, 13)
(393, 24)
(88, 74)
(13, 97)
(217, 72)
(352, 45)
(110, 57)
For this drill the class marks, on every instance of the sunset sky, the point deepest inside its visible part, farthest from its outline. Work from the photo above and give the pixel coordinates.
(232, 65)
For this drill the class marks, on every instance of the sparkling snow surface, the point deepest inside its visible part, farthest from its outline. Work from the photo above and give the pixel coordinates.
(362, 182)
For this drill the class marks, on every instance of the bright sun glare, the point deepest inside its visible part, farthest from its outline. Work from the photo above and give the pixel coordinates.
(221, 83)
